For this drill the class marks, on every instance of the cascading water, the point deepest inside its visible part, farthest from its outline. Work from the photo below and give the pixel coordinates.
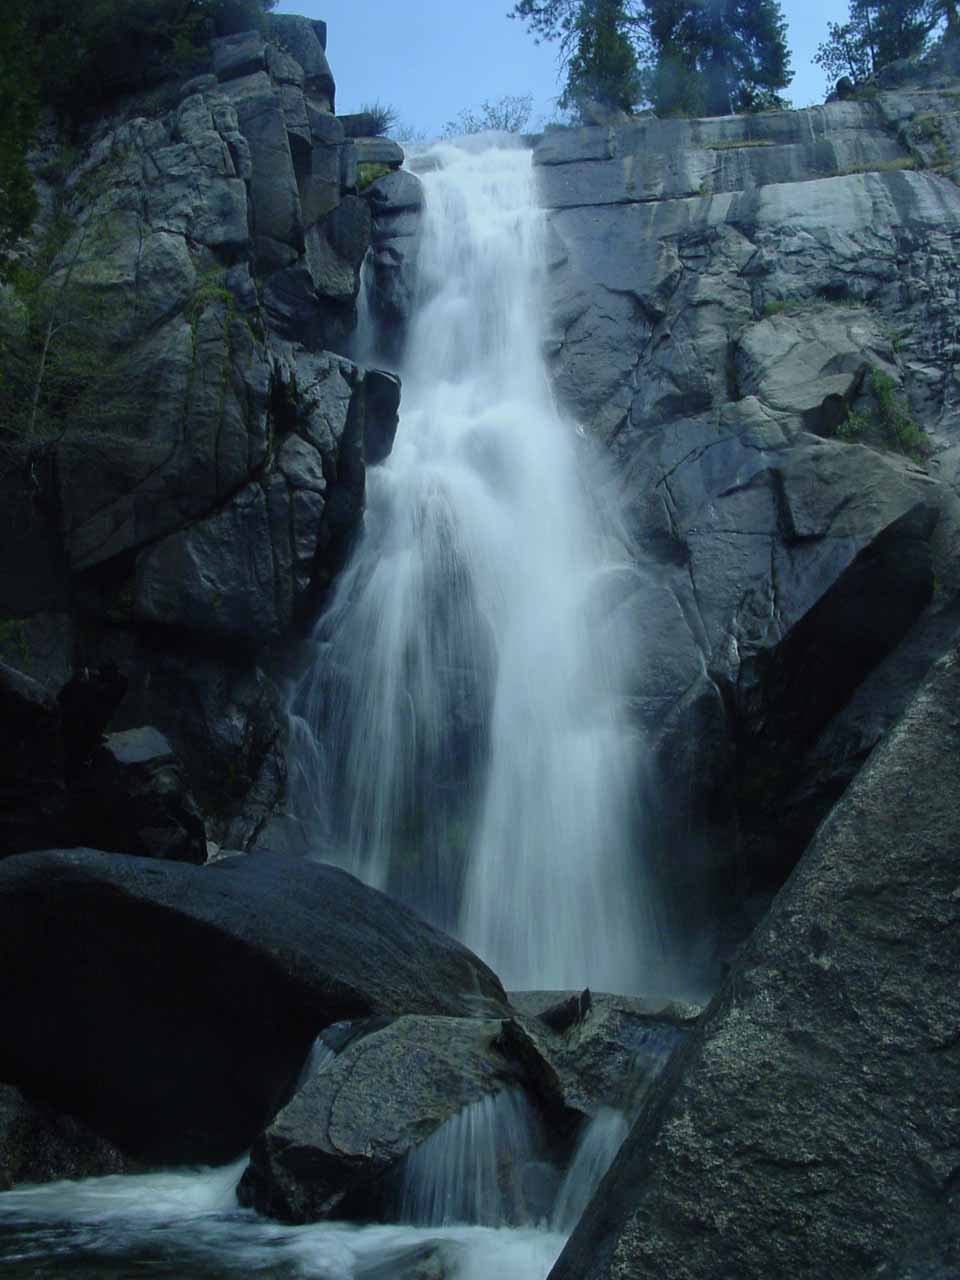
(471, 1169)
(461, 724)
(602, 1139)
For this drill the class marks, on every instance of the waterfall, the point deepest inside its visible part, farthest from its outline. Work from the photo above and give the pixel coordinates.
(602, 1139)
(461, 726)
(471, 1169)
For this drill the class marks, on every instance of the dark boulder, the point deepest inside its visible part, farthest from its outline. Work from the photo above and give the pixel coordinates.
(809, 1126)
(381, 1097)
(171, 1007)
(381, 415)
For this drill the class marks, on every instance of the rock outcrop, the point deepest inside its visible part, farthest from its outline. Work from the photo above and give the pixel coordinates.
(808, 1127)
(756, 315)
(380, 1098)
(171, 1007)
(217, 241)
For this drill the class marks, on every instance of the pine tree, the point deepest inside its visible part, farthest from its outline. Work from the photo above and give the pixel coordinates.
(603, 67)
(695, 56)
(18, 119)
(878, 32)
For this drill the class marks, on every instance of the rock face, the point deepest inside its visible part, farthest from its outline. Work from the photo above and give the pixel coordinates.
(219, 240)
(808, 1127)
(190, 996)
(63, 782)
(726, 296)
(133, 799)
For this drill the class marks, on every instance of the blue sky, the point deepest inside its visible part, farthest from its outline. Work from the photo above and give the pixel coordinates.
(431, 58)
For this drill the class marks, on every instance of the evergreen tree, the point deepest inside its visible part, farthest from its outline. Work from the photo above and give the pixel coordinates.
(18, 120)
(603, 67)
(878, 32)
(695, 56)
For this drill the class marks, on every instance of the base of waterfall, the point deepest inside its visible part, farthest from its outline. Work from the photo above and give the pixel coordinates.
(187, 1223)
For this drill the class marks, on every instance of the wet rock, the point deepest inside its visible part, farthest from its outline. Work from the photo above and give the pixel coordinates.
(608, 1057)
(382, 392)
(190, 996)
(394, 193)
(396, 200)
(807, 1127)
(353, 1121)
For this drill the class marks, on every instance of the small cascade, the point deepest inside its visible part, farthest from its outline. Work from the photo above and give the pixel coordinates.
(598, 1145)
(471, 1169)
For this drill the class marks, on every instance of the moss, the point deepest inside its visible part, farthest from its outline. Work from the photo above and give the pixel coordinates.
(736, 146)
(210, 290)
(367, 173)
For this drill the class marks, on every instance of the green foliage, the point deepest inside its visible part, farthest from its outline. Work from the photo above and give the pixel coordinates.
(508, 114)
(892, 425)
(876, 33)
(603, 67)
(60, 370)
(18, 120)
(211, 291)
(694, 56)
(88, 51)
(368, 172)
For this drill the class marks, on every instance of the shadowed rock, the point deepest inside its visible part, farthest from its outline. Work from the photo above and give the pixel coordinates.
(809, 1127)
(171, 1007)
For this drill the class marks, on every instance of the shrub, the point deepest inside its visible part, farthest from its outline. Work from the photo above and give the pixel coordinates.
(892, 423)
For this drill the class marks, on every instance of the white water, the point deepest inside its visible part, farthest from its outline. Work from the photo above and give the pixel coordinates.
(461, 726)
(601, 1140)
(187, 1224)
(471, 1168)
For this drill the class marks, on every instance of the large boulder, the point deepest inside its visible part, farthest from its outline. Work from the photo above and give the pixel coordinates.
(381, 1097)
(190, 996)
(809, 1127)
